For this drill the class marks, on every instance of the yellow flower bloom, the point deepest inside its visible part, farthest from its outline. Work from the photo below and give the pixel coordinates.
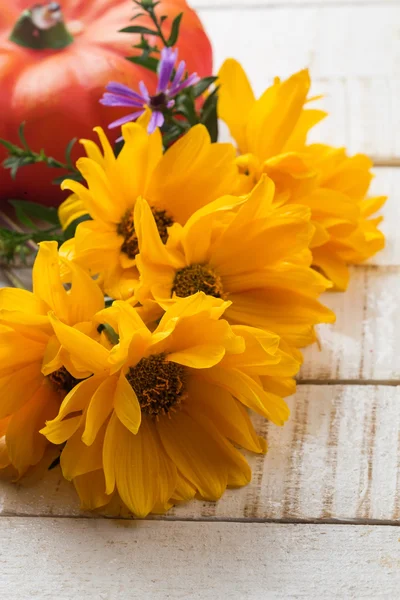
(271, 134)
(257, 257)
(29, 395)
(190, 174)
(160, 414)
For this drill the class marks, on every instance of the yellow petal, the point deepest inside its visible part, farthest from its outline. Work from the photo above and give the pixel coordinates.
(126, 405)
(91, 490)
(275, 115)
(228, 415)
(18, 388)
(100, 406)
(71, 209)
(250, 393)
(235, 100)
(192, 173)
(89, 354)
(25, 444)
(47, 284)
(137, 468)
(78, 459)
(196, 453)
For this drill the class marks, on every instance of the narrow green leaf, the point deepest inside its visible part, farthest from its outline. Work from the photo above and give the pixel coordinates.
(47, 214)
(209, 115)
(74, 176)
(68, 151)
(10, 147)
(21, 134)
(176, 23)
(145, 61)
(138, 29)
(70, 231)
(200, 87)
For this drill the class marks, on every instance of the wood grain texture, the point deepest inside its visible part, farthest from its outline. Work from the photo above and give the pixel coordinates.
(364, 343)
(336, 459)
(86, 559)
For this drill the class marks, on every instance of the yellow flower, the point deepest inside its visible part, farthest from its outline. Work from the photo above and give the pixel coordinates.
(271, 134)
(159, 417)
(190, 174)
(341, 210)
(257, 257)
(28, 395)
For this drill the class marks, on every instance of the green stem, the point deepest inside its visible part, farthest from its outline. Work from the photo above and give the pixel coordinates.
(158, 26)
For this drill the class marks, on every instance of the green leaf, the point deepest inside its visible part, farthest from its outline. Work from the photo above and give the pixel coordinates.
(145, 61)
(68, 151)
(38, 211)
(21, 134)
(200, 87)
(75, 176)
(209, 115)
(16, 162)
(176, 23)
(10, 147)
(138, 29)
(70, 230)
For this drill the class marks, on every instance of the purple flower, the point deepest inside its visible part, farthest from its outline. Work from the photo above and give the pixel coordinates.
(168, 87)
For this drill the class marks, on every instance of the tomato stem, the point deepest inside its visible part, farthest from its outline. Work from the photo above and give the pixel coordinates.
(42, 28)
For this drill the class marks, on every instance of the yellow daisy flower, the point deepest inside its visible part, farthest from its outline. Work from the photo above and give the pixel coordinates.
(159, 417)
(190, 174)
(29, 395)
(257, 257)
(271, 135)
(341, 210)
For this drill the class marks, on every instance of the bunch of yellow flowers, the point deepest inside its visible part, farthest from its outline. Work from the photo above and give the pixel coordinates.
(182, 302)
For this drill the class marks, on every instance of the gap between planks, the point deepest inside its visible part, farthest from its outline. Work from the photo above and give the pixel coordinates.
(210, 519)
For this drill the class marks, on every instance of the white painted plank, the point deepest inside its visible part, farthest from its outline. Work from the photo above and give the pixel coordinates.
(336, 459)
(85, 559)
(350, 42)
(364, 343)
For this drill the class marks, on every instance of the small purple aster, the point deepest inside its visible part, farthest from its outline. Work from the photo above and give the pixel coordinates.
(168, 87)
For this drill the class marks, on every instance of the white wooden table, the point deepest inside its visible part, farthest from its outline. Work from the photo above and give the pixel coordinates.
(320, 518)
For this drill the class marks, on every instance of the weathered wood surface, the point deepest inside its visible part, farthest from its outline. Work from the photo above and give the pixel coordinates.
(336, 459)
(101, 560)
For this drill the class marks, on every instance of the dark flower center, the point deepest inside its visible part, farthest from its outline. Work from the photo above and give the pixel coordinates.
(126, 229)
(159, 101)
(63, 381)
(197, 278)
(158, 384)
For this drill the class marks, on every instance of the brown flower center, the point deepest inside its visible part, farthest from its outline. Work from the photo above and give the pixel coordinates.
(158, 384)
(126, 228)
(63, 381)
(197, 278)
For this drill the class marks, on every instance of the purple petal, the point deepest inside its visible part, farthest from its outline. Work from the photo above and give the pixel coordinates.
(157, 120)
(165, 68)
(179, 73)
(191, 80)
(171, 103)
(132, 117)
(122, 90)
(114, 100)
(144, 91)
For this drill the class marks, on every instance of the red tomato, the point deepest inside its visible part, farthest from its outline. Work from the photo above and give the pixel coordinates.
(57, 92)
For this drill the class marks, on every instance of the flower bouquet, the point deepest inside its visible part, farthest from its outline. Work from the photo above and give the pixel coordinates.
(174, 295)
